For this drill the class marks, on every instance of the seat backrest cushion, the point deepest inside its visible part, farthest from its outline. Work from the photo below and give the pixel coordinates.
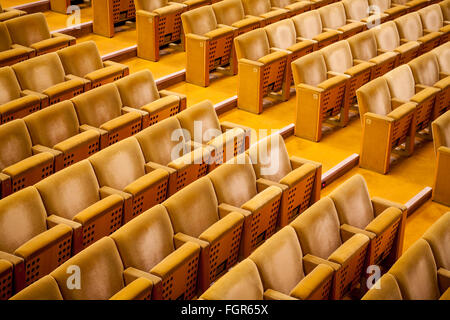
(431, 17)
(137, 89)
(5, 39)
(199, 21)
(425, 69)
(401, 83)
(310, 69)
(28, 29)
(410, 26)
(385, 289)
(387, 36)
(442, 54)
(228, 11)
(256, 7)
(281, 34)
(438, 237)
(15, 143)
(356, 9)
(45, 288)
(252, 45)
(81, 59)
(333, 15)
(9, 87)
(441, 131)
(308, 24)
(363, 45)
(338, 56)
(150, 5)
(374, 97)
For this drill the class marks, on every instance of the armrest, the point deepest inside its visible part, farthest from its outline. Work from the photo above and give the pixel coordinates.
(348, 231)
(195, 37)
(128, 110)
(348, 21)
(31, 92)
(305, 39)
(54, 220)
(310, 262)
(13, 259)
(225, 209)
(40, 148)
(182, 97)
(381, 51)
(226, 125)
(130, 274)
(273, 49)
(403, 41)
(332, 82)
(146, 14)
(86, 127)
(261, 199)
(358, 61)
(106, 191)
(297, 175)
(426, 31)
(443, 279)
(110, 63)
(349, 248)
(309, 88)
(152, 166)
(176, 259)
(331, 74)
(263, 184)
(329, 29)
(98, 209)
(182, 238)
(297, 162)
(224, 226)
(397, 103)
(270, 294)
(250, 62)
(193, 145)
(384, 220)
(379, 205)
(68, 77)
(136, 290)
(147, 181)
(58, 34)
(402, 111)
(312, 282)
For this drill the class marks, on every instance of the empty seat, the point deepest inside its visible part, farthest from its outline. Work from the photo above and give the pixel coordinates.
(83, 60)
(15, 103)
(231, 13)
(21, 164)
(208, 44)
(445, 8)
(360, 10)
(158, 23)
(261, 70)
(56, 129)
(300, 179)
(284, 270)
(410, 28)
(101, 109)
(32, 31)
(139, 91)
(386, 288)
(6, 279)
(433, 21)
(44, 76)
(74, 197)
(9, 13)
(334, 18)
(121, 169)
(321, 238)
(412, 5)
(388, 39)
(11, 53)
(309, 26)
(293, 6)
(165, 147)
(226, 138)
(441, 137)
(197, 216)
(392, 9)
(385, 123)
(320, 96)
(264, 9)
(147, 243)
(365, 48)
(45, 288)
(34, 243)
(438, 237)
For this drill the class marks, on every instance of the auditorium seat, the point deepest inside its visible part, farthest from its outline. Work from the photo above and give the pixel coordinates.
(284, 270)
(139, 91)
(293, 6)
(413, 5)
(334, 18)
(438, 237)
(386, 123)
(9, 13)
(44, 76)
(300, 179)
(360, 10)
(55, 129)
(158, 23)
(28, 238)
(197, 217)
(226, 138)
(441, 137)
(320, 96)
(325, 241)
(208, 44)
(445, 8)
(231, 13)
(45, 288)
(121, 170)
(73, 197)
(433, 21)
(238, 188)
(15, 103)
(6, 279)
(11, 53)
(101, 109)
(388, 39)
(309, 26)
(165, 147)
(21, 164)
(410, 28)
(265, 10)
(147, 244)
(261, 70)
(365, 48)
(386, 288)
(32, 31)
(388, 7)
(83, 60)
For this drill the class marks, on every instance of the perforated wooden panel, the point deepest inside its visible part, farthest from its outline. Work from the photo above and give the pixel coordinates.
(110, 78)
(400, 130)
(328, 41)
(380, 247)
(323, 291)
(21, 113)
(124, 132)
(442, 103)
(382, 68)
(219, 51)
(6, 284)
(332, 101)
(123, 10)
(66, 95)
(298, 197)
(168, 28)
(273, 76)
(355, 83)
(10, 62)
(407, 56)
(164, 113)
(148, 198)
(429, 45)
(32, 176)
(424, 113)
(248, 28)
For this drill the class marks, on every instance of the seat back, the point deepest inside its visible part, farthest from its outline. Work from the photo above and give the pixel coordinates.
(374, 97)
(150, 5)
(199, 21)
(101, 272)
(162, 142)
(98, 105)
(81, 59)
(352, 202)
(333, 15)
(119, 165)
(28, 29)
(310, 69)
(425, 69)
(318, 229)
(9, 87)
(194, 208)
(234, 181)
(387, 36)
(252, 45)
(363, 45)
(270, 158)
(338, 56)
(388, 289)
(431, 17)
(40, 73)
(281, 3)
(279, 261)
(45, 288)
(416, 273)
(410, 26)
(442, 54)
(441, 131)
(240, 283)
(256, 7)
(22, 217)
(69, 191)
(383, 5)
(445, 8)
(401, 82)
(438, 237)
(54, 124)
(137, 89)
(228, 11)
(146, 240)
(201, 115)
(15, 143)
(308, 24)
(5, 39)
(356, 9)
(281, 34)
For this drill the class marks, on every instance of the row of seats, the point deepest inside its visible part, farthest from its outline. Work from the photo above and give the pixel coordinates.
(27, 36)
(198, 228)
(9, 13)
(403, 102)
(441, 137)
(422, 272)
(323, 253)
